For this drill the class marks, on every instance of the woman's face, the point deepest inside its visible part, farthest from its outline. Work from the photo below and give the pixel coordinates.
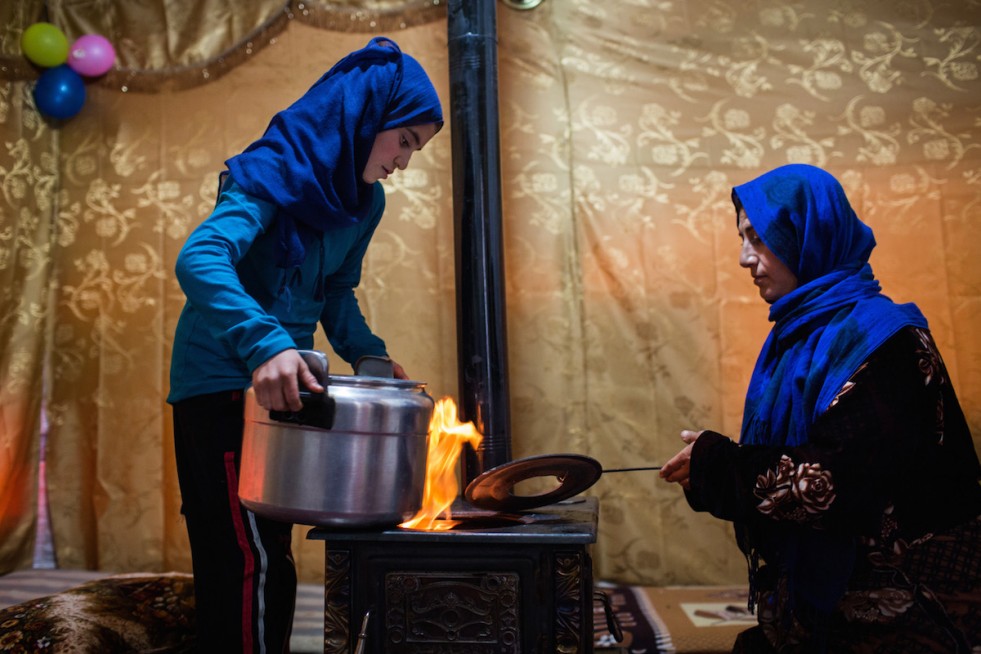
(393, 148)
(770, 275)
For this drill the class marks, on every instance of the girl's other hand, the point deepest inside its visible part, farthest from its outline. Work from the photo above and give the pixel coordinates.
(398, 371)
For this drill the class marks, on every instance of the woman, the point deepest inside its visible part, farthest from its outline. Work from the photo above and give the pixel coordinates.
(281, 252)
(854, 485)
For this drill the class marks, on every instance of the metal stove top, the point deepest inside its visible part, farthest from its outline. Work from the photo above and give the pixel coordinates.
(572, 521)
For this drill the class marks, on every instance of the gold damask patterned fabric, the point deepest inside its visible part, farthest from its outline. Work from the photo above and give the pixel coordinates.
(28, 174)
(167, 45)
(624, 126)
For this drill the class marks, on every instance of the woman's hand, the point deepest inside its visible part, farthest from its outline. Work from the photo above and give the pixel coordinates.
(276, 381)
(678, 468)
(398, 371)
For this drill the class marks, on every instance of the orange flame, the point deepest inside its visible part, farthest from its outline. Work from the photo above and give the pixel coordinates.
(446, 438)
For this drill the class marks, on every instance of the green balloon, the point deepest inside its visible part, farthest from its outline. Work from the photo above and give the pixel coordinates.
(45, 45)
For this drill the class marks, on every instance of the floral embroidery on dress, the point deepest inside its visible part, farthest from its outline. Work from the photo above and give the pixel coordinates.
(888, 530)
(932, 367)
(847, 386)
(929, 358)
(881, 605)
(795, 492)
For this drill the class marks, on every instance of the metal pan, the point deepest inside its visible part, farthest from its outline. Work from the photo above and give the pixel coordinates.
(493, 490)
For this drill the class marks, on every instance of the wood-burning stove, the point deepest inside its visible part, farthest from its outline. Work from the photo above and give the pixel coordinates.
(495, 584)
(523, 584)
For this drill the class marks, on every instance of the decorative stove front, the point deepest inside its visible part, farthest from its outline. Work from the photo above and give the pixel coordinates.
(480, 588)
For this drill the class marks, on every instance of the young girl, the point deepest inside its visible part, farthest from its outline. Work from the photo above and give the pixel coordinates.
(281, 252)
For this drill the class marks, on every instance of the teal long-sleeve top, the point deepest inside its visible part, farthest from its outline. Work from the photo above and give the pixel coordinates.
(242, 308)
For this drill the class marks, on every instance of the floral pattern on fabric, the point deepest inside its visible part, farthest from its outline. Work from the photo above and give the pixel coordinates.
(898, 464)
(800, 493)
(847, 386)
(932, 367)
(124, 613)
(929, 359)
(888, 536)
(882, 605)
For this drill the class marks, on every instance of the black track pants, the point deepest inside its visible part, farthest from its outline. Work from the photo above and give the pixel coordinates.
(244, 576)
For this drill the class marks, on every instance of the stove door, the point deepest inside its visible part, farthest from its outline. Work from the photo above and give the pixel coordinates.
(460, 598)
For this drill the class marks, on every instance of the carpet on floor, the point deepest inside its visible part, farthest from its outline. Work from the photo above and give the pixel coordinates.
(653, 620)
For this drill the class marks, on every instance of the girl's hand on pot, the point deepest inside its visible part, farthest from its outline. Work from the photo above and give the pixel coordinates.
(277, 381)
(678, 468)
(398, 371)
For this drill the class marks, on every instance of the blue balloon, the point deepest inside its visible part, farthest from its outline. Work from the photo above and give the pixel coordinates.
(60, 92)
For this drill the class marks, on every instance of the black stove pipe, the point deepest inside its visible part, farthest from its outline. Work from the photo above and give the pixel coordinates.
(477, 221)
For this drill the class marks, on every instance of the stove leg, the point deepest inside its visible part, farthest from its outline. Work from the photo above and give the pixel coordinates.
(337, 602)
(573, 603)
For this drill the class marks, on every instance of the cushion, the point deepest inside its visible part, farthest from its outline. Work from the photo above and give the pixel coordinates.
(123, 613)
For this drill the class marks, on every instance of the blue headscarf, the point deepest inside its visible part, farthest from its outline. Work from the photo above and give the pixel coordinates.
(311, 157)
(832, 322)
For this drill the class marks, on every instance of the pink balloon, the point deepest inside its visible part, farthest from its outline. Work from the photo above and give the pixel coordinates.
(91, 55)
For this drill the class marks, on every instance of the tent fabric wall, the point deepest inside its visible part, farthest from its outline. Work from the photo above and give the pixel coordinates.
(624, 127)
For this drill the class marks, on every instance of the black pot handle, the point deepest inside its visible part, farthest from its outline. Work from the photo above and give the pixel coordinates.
(318, 408)
(317, 411)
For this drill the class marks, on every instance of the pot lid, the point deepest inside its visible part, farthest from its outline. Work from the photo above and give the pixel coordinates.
(493, 490)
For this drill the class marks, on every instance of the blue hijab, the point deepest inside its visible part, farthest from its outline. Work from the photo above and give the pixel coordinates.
(832, 322)
(311, 157)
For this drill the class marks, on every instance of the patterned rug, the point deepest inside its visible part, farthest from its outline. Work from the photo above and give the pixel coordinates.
(641, 634)
(154, 607)
(639, 624)
(695, 619)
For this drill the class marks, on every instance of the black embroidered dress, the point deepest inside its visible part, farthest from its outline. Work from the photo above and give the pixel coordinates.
(879, 511)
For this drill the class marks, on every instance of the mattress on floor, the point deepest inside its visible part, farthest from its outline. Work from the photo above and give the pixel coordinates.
(138, 611)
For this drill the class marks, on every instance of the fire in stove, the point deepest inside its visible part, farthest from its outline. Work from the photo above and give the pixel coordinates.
(463, 581)
(447, 437)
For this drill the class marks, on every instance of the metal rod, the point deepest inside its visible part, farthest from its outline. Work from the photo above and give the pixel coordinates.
(477, 221)
(363, 635)
(630, 469)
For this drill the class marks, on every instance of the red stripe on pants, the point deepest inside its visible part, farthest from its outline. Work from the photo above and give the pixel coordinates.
(243, 543)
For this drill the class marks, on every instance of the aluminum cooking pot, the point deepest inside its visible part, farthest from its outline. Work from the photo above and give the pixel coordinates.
(354, 456)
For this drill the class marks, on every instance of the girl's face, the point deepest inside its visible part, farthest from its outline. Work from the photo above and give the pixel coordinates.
(393, 148)
(771, 276)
